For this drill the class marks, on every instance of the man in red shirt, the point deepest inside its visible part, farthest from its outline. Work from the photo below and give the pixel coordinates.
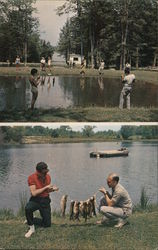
(40, 187)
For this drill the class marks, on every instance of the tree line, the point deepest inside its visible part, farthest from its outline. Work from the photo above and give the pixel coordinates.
(15, 134)
(115, 31)
(19, 34)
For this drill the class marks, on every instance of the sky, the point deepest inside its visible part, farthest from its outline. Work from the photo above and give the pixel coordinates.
(50, 23)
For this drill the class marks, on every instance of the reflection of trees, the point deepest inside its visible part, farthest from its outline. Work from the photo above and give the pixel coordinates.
(144, 94)
(14, 92)
(5, 164)
(85, 91)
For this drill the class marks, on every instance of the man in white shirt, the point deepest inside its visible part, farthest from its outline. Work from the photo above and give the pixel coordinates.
(128, 81)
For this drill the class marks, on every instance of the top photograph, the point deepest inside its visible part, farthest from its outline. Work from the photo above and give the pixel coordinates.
(78, 61)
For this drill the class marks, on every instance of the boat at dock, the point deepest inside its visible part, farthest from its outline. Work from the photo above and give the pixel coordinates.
(109, 153)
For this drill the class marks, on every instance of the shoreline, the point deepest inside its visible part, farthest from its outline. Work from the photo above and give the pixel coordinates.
(141, 75)
(28, 140)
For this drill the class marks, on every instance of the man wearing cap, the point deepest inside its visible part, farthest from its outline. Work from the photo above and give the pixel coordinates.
(128, 81)
(116, 206)
(40, 187)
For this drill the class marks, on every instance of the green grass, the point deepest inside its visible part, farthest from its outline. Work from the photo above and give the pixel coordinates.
(141, 233)
(90, 114)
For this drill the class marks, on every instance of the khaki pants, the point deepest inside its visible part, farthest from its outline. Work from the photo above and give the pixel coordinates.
(125, 93)
(112, 212)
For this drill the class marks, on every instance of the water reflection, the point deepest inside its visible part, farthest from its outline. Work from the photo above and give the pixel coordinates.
(15, 92)
(75, 172)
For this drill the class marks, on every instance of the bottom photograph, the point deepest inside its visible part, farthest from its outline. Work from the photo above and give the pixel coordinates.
(74, 186)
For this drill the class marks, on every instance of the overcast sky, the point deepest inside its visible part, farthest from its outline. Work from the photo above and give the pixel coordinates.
(50, 23)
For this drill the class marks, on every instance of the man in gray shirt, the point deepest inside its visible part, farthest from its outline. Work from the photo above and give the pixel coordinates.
(128, 81)
(117, 206)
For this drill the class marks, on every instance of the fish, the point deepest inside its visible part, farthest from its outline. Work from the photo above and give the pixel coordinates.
(76, 210)
(63, 204)
(72, 209)
(93, 202)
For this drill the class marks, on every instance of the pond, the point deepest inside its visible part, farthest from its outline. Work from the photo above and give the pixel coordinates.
(76, 174)
(72, 91)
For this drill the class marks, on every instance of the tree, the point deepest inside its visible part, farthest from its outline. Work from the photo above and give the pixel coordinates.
(17, 27)
(88, 130)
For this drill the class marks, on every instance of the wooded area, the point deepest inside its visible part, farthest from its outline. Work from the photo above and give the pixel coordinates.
(116, 31)
(15, 134)
(19, 34)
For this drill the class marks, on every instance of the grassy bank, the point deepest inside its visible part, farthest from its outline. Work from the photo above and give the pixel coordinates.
(140, 234)
(147, 76)
(90, 114)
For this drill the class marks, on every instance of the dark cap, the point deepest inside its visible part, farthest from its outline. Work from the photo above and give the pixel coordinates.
(40, 166)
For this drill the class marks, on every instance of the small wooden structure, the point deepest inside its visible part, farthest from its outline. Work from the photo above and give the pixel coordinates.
(109, 153)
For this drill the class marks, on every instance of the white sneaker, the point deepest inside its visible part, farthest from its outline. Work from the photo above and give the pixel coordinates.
(121, 223)
(30, 232)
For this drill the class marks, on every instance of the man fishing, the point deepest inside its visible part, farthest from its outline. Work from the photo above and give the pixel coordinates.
(34, 81)
(128, 81)
(40, 187)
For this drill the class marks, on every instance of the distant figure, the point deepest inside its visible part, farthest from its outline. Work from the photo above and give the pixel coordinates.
(101, 68)
(40, 187)
(49, 63)
(43, 64)
(8, 63)
(116, 206)
(128, 81)
(128, 66)
(17, 62)
(71, 63)
(34, 81)
(83, 66)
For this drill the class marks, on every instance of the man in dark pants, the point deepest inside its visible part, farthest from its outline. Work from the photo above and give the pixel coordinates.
(40, 187)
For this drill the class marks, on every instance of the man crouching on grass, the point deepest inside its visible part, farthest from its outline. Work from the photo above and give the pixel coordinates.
(40, 187)
(115, 207)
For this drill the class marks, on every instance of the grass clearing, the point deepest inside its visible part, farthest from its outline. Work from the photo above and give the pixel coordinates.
(140, 234)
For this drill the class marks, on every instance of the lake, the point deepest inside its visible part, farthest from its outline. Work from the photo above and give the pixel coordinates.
(72, 91)
(75, 172)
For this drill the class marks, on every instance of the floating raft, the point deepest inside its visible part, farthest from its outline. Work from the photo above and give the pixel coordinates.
(109, 153)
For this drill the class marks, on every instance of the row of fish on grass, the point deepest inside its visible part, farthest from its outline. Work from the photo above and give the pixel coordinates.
(85, 209)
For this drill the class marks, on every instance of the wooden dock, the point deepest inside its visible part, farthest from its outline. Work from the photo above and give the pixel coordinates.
(109, 153)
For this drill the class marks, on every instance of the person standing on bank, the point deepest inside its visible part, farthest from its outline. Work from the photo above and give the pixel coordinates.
(34, 81)
(116, 207)
(40, 187)
(128, 81)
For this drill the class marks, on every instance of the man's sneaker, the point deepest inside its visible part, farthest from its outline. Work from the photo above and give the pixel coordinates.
(30, 232)
(121, 223)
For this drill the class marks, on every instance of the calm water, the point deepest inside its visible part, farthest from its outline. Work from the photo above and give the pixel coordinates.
(70, 91)
(75, 172)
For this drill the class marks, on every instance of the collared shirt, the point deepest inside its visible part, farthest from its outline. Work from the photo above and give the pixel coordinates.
(121, 198)
(36, 180)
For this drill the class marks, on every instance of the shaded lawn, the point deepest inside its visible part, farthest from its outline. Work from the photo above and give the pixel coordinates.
(90, 114)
